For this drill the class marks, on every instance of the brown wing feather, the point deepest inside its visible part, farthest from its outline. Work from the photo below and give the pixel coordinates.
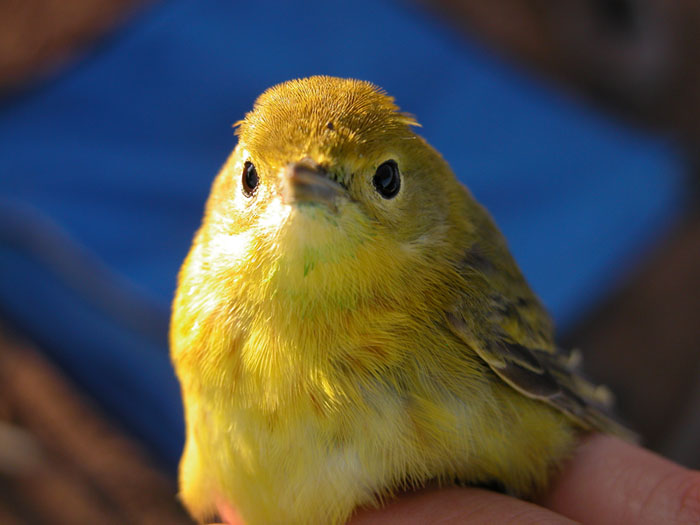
(510, 330)
(543, 375)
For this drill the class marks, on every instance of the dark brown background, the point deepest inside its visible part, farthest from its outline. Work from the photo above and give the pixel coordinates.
(637, 59)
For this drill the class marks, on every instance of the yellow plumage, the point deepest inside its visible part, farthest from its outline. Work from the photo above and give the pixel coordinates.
(349, 323)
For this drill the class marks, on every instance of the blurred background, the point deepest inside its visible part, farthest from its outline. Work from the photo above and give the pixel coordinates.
(576, 122)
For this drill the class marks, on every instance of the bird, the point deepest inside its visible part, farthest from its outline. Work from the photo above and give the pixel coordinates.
(349, 324)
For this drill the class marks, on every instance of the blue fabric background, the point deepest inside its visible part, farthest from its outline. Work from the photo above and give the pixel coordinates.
(104, 171)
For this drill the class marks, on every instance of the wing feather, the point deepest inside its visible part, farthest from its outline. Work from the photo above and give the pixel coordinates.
(511, 332)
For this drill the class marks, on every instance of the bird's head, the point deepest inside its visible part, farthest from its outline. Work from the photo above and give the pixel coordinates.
(328, 175)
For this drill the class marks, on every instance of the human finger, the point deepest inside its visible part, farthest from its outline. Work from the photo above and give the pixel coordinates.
(457, 505)
(609, 481)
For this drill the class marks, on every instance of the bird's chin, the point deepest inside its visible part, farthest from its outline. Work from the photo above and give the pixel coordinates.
(310, 217)
(314, 232)
(310, 223)
(315, 210)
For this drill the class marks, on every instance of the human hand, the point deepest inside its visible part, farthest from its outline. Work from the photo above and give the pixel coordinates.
(607, 481)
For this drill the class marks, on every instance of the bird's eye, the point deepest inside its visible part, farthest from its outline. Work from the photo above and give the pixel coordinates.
(387, 179)
(250, 178)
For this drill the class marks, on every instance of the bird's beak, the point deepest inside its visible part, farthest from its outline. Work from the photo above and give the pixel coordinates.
(306, 182)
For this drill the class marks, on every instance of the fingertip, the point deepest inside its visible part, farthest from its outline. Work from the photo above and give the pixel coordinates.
(228, 514)
(611, 481)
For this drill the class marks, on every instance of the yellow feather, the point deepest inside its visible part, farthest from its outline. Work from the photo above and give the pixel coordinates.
(337, 346)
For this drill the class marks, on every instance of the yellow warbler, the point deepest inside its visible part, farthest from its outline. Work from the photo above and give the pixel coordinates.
(349, 323)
